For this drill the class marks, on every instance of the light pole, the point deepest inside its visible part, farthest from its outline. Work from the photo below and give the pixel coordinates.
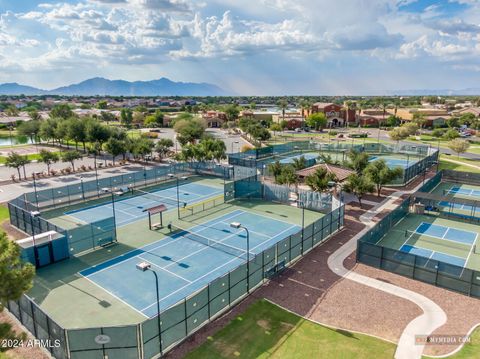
(170, 175)
(238, 225)
(143, 267)
(81, 185)
(35, 189)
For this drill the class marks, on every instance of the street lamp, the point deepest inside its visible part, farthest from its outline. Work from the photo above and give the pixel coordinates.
(238, 225)
(184, 178)
(233, 143)
(35, 189)
(143, 267)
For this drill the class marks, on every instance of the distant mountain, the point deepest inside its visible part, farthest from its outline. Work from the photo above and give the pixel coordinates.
(105, 87)
(439, 92)
(13, 88)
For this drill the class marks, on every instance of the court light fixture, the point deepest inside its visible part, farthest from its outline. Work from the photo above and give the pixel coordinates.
(235, 225)
(143, 266)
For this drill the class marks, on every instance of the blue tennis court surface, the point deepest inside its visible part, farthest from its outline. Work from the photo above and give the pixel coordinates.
(438, 256)
(307, 156)
(184, 265)
(465, 207)
(130, 209)
(395, 162)
(463, 191)
(447, 233)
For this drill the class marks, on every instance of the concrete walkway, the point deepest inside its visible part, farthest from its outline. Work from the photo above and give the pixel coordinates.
(433, 316)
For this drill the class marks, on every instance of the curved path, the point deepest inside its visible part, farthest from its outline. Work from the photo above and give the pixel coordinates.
(433, 316)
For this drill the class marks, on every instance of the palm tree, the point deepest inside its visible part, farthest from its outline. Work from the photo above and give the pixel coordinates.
(299, 163)
(319, 180)
(304, 105)
(283, 104)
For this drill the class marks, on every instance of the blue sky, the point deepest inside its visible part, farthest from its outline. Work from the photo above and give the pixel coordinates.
(249, 47)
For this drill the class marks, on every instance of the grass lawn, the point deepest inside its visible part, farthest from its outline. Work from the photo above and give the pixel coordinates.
(31, 157)
(470, 350)
(445, 165)
(3, 212)
(267, 331)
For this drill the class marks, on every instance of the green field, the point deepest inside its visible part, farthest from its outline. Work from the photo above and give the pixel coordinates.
(265, 330)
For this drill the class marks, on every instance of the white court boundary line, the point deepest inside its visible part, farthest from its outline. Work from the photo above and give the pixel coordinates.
(166, 270)
(173, 240)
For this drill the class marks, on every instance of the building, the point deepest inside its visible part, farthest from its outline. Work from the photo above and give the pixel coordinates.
(372, 117)
(474, 110)
(337, 116)
(214, 118)
(434, 117)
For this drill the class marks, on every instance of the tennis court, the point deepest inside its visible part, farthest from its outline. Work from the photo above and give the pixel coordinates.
(436, 240)
(393, 162)
(463, 191)
(446, 236)
(187, 260)
(307, 156)
(131, 208)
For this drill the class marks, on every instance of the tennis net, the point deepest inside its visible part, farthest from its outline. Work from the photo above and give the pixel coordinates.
(414, 237)
(226, 248)
(156, 198)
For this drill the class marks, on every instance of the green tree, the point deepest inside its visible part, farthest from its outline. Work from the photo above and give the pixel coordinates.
(357, 161)
(410, 127)
(304, 106)
(214, 149)
(34, 115)
(380, 174)
(188, 131)
(76, 131)
(114, 147)
(126, 117)
(16, 276)
(392, 121)
(95, 149)
(163, 147)
(317, 120)
(96, 132)
(283, 105)
(287, 176)
(419, 119)
(155, 120)
(299, 163)
(451, 134)
(71, 157)
(48, 129)
(14, 160)
(232, 111)
(452, 122)
(107, 117)
(142, 147)
(459, 146)
(318, 180)
(398, 134)
(438, 132)
(359, 186)
(275, 169)
(62, 111)
(102, 104)
(11, 110)
(48, 157)
(275, 127)
(30, 129)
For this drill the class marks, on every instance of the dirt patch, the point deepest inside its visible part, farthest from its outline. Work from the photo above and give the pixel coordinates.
(12, 232)
(264, 324)
(22, 352)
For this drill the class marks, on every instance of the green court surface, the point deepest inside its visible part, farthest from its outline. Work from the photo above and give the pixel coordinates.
(436, 239)
(265, 330)
(458, 191)
(76, 301)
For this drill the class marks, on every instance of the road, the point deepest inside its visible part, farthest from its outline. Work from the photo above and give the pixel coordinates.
(384, 136)
(232, 142)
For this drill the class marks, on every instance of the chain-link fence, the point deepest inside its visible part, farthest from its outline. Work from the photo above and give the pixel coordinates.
(427, 270)
(160, 334)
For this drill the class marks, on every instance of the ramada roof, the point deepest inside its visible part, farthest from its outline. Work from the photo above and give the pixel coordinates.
(340, 173)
